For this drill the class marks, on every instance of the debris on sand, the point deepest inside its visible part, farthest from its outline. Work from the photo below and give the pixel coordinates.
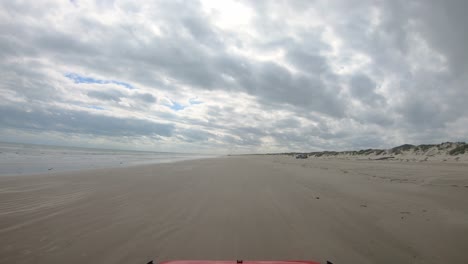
(385, 158)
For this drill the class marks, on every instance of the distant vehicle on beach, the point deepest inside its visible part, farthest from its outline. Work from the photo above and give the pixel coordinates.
(301, 156)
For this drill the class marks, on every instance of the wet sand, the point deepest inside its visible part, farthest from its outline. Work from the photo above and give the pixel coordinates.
(248, 207)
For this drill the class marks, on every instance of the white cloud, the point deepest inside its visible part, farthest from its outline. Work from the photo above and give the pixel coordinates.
(267, 75)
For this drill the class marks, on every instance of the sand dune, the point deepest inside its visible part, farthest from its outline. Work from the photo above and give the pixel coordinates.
(443, 152)
(250, 207)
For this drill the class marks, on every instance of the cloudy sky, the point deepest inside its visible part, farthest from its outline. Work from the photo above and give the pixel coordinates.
(233, 76)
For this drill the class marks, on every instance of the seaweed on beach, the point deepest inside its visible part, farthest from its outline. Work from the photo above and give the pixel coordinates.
(385, 158)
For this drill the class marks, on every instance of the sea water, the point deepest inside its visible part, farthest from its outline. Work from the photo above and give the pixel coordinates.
(23, 159)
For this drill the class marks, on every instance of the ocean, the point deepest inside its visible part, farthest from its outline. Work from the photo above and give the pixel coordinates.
(25, 159)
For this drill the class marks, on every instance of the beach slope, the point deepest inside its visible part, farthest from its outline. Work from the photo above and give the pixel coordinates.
(246, 207)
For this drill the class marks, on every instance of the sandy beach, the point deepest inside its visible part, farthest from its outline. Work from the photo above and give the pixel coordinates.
(243, 207)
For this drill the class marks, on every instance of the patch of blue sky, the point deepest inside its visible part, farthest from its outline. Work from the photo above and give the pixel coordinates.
(124, 84)
(83, 79)
(177, 107)
(194, 101)
(96, 107)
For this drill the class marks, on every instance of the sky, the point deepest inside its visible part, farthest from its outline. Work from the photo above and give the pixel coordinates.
(232, 76)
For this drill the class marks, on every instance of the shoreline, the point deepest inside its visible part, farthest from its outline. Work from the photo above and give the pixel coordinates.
(28, 159)
(106, 168)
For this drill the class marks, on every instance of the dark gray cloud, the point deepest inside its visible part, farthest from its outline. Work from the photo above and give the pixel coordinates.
(443, 24)
(146, 97)
(273, 83)
(108, 95)
(308, 62)
(72, 121)
(363, 88)
(196, 135)
(28, 79)
(117, 96)
(288, 123)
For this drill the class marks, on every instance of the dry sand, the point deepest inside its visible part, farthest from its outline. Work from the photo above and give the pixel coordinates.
(250, 207)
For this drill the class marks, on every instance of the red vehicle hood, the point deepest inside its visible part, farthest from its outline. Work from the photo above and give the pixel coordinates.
(238, 262)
